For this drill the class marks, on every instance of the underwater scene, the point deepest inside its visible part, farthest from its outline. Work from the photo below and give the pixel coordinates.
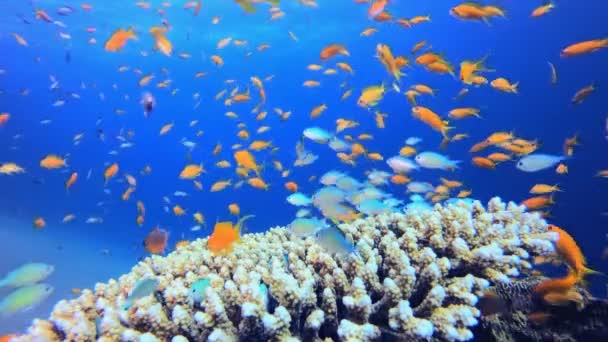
(303, 170)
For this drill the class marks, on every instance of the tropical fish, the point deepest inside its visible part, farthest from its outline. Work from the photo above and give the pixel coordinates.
(371, 96)
(118, 39)
(569, 250)
(156, 241)
(11, 169)
(191, 171)
(110, 172)
(538, 162)
(27, 274)
(432, 160)
(543, 9)
(142, 288)
(334, 241)
(584, 47)
(332, 50)
(24, 298)
(299, 199)
(198, 290)
(52, 161)
(224, 235)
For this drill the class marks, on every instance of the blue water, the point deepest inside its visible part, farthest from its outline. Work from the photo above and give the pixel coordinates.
(519, 48)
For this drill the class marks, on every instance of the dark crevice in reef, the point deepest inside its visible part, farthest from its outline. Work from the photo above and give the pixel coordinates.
(560, 323)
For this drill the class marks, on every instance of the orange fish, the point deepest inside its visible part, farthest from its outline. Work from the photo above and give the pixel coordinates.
(333, 50)
(4, 117)
(127, 194)
(400, 179)
(225, 235)
(538, 202)
(162, 43)
(484, 163)
(39, 223)
(504, 85)
(318, 110)
(291, 186)
(432, 119)
(156, 241)
(565, 298)
(568, 249)
(258, 183)
(563, 284)
(110, 172)
(376, 8)
(561, 169)
(53, 162)
(178, 211)
(584, 47)
(234, 209)
(468, 70)
(118, 39)
(583, 93)
(499, 157)
(42, 15)
(217, 60)
(71, 180)
(246, 160)
(542, 9)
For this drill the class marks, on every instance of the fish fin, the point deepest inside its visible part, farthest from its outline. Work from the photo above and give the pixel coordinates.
(586, 271)
(241, 221)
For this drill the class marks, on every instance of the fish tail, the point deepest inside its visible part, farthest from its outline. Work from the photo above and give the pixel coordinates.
(514, 87)
(131, 32)
(604, 42)
(586, 271)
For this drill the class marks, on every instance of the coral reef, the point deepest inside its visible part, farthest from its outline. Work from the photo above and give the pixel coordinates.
(415, 276)
(560, 323)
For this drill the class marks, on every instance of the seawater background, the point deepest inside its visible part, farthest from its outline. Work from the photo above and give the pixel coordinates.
(519, 49)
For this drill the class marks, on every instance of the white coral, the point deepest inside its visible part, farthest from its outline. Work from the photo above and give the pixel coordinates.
(282, 289)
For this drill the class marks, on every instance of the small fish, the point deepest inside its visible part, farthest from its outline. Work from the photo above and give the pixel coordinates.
(94, 220)
(141, 289)
(432, 160)
(553, 73)
(334, 241)
(198, 290)
(24, 298)
(538, 162)
(299, 199)
(303, 227)
(27, 274)
(156, 241)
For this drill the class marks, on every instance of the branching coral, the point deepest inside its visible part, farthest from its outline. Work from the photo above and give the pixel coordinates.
(415, 276)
